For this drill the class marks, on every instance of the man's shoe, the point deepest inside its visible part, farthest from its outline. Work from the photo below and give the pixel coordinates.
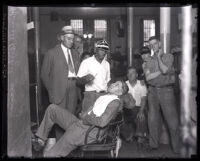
(38, 144)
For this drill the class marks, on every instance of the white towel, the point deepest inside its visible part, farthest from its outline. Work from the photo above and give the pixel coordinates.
(101, 104)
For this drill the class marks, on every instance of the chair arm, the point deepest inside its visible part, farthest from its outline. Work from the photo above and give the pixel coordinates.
(112, 123)
(87, 133)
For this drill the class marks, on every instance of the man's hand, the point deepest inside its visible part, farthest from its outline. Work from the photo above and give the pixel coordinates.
(160, 53)
(85, 79)
(140, 115)
(88, 78)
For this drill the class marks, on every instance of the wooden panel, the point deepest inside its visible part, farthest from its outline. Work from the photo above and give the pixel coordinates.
(18, 107)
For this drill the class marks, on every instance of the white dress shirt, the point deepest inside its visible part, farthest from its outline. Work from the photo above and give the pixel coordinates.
(67, 51)
(101, 104)
(101, 72)
(137, 91)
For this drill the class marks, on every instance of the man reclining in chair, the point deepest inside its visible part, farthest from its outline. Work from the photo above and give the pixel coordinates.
(104, 109)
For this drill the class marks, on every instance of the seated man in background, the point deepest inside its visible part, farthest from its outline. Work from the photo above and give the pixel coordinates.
(103, 110)
(135, 116)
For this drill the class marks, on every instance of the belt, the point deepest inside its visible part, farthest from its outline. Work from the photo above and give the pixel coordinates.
(167, 85)
(72, 78)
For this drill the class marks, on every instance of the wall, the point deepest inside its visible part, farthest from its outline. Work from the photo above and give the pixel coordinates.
(48, 32)
(18, 106)
(175, 39)
(49, 28)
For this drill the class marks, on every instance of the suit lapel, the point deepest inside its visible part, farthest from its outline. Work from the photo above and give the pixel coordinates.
(61, 55)
(75, 60)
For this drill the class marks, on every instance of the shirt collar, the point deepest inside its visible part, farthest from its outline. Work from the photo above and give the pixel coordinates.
(64, 48)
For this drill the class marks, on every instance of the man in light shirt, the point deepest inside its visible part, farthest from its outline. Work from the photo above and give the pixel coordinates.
(94, 72)
(102, 111)
(58, 73)
(136, 116)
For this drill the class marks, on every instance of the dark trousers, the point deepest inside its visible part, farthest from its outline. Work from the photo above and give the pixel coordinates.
(69, 102)
(162, 99)
(133, 124)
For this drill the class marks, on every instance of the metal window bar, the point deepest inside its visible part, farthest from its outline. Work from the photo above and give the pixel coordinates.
(100, 29)
(77, 25)
(148, 29)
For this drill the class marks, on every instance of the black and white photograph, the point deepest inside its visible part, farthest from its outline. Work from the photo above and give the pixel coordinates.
(100, 81)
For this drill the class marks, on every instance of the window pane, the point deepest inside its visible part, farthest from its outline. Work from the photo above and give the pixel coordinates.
(77, 26)
(149, 30)
(100, 29)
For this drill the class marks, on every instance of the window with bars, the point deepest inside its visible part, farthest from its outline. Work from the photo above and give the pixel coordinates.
(100, 29)
(77, 25)
(149, 29)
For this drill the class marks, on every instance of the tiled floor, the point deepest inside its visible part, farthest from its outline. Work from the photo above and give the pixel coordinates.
(130, 150)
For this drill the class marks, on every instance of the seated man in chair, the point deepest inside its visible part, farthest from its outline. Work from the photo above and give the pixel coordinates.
(104, 109)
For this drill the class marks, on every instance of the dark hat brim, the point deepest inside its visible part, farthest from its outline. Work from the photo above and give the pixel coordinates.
(103, 48)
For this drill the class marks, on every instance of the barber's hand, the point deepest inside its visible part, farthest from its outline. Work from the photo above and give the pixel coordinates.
(88, 78)
(85, 79)
(140, 115)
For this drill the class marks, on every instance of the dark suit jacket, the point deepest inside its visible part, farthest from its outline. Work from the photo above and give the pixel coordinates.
(54, 72)
(110, 113)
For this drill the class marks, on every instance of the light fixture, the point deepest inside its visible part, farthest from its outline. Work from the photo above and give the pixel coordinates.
(89, 36)
(85, 36)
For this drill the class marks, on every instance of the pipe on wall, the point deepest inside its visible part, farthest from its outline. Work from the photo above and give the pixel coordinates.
(130, 35)
(38, 84)
(165, 19)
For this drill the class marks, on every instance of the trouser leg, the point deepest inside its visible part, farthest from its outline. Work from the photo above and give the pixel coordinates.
(72, 95)
(153, 117)
(69, 102)
(58, 130)
(55, 115)
(72, 138)
(141, 125)
(168, 106)
(62, 147)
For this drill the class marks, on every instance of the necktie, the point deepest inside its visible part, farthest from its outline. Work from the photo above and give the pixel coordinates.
(70, 66)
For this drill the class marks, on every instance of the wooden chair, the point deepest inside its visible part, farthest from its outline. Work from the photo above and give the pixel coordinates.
(109, 143)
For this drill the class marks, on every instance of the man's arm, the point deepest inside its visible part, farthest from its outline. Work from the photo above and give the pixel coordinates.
(164, 67)
(111, 111)
(143, 103)
(128, 101)
(46, 69)
(82, 76)
(143, 91)
(108, 74)
(150, 76)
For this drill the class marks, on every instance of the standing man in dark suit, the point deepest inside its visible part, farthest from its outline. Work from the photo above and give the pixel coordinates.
(59, 71)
